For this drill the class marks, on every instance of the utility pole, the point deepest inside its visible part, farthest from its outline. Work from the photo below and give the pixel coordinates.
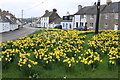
(118, 16)
(22, 17)
(97, 18)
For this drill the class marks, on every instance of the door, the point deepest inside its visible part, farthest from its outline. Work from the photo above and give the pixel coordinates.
(66, 26)
(116, 27)
(76, 24)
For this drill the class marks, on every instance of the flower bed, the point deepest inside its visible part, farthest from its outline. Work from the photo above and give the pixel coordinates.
(60, 46)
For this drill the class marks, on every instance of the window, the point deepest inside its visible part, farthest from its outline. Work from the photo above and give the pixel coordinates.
(66, 26)
(81, 23)
(82, 16)
(86, 24)
(116, 15)
(106, 25)
(70, 26)
(91, 24)
(65, 18)
(116, 27)
(91, 16)
(106, 16)
(70, 17)
(63, 25)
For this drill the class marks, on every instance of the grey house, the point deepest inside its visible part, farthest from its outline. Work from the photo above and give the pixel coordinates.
(88, 16)
(109, 16)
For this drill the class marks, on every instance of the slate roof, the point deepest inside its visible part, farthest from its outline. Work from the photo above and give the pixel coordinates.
(5, 19)
(56, 21)
(112, 7)
(53, 16)
(47, 14)
(66, 21)
(89, 10)
(3, 15)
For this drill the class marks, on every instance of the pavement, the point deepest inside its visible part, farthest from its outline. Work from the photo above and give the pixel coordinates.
(13, 35)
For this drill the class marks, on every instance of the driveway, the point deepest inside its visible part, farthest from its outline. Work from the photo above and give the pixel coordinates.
(13, 35)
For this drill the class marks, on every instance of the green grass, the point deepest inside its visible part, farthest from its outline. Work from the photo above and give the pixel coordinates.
(58, 71)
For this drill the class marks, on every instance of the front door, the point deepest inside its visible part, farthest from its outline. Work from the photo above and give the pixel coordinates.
(66, 26)
(116, 27)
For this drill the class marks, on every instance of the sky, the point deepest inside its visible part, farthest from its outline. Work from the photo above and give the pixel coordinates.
(36, 8)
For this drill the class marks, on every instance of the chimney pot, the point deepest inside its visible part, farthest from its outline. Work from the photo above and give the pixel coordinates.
(79, 7)
(108, 2)
(54, 10)
(46, 11)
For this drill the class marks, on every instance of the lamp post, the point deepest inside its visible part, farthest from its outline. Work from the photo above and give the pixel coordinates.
(97, 18)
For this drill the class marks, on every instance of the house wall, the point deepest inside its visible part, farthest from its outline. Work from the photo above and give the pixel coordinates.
(91, 20)
(83, 19)
(18, 22)
(109, 23)
(4, 27)
(66, 25)
(13, 26)
(119, 22)
(76, 21)
(45, 22)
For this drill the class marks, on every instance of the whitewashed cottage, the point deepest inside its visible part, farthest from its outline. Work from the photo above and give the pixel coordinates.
(8, 22)
(67, 22)
(50, 19)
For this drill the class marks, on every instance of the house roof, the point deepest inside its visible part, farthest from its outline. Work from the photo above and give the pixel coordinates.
(66, 21)
(107, 8)
(47, 14)
(89, 10)
(56, 21)
(112, 7)
(4, 15)
(5, 19)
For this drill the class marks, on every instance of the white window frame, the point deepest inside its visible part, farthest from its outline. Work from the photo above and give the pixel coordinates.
(92, 25)
(63, 24)
(116, 15)
(106, 16)
(91, 16)
(115, 26)
(106, 26)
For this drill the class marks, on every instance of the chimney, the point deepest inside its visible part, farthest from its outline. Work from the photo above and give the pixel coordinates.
(4, 11)
(95, 4)
(79, 7)
(108, 2)
(68, 13)
(7, 11)
(55, 10)
(46, 11)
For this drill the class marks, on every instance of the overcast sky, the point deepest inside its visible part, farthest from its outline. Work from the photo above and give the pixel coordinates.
(36, 8)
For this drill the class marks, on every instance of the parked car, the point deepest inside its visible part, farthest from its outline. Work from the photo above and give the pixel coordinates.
(58, 27)
(81, 28)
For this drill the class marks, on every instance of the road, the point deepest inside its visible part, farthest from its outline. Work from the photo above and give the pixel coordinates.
(13, 35)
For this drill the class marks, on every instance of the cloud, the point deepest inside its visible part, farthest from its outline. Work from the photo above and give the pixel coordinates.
(34, 8)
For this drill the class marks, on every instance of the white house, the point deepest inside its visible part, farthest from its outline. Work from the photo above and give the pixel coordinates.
(67, 22)
(4, 24)
(50, 19)
(83, 20)
(4, 27)
(77, 17)
(7, 22)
